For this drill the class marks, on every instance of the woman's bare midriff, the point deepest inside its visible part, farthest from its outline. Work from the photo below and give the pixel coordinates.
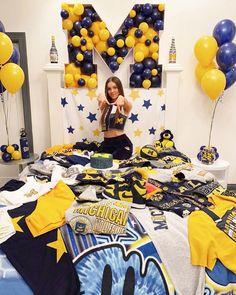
(113, 133)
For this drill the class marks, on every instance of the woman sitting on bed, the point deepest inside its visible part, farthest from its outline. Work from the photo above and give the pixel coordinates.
(115, 108)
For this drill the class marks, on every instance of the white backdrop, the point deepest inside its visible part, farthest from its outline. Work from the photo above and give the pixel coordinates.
(185, 20)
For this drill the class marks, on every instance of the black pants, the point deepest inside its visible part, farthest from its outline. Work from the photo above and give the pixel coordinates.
(120, 147)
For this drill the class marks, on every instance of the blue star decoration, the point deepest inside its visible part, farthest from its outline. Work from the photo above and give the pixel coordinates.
(92, 117)
(146, 103)
(63, 101)
(71, 129)
(133, 117)
(163, 107)
(80, 107)
(152, 131)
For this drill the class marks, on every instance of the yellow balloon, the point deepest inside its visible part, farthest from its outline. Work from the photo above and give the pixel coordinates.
(101, 46)
(75, 40)
(200, 70)
(139, 56)
(12, 77)
(146, 84)
(150, 33)
(131, 32)
(67, 24)
(205, 50)
(130, 41)
(78, 9)
(69, 78)
(153, 47)
(111, 51)
(72, 69)
(6, 48)
(104, 34)
(72, 16)
(92, 83)
(16, 155)
(213, 83)
(143, 27)
(141, 47)
(120, 43)
(95, 28)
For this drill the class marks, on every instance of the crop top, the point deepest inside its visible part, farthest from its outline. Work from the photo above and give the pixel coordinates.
(112, 120)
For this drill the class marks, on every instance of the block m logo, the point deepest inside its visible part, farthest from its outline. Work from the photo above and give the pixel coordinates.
(87, 31)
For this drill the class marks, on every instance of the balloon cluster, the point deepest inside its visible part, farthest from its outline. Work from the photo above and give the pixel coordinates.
(87, 31)
(11, 75)
(10, 152)
(220, 46)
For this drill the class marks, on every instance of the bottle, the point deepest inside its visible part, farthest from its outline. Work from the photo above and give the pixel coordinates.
(172, 52)
(24, 144)
(53, 51)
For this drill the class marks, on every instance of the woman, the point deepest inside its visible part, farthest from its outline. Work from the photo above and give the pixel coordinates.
(115, 108)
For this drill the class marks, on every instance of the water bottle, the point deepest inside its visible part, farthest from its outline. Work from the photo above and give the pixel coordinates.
(24, 144)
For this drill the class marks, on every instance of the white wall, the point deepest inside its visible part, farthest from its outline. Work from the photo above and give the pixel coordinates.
(185, 20)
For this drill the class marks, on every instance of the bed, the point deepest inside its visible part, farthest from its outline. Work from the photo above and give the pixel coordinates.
(152, 256)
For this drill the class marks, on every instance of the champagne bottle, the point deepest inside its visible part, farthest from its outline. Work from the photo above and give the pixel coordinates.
(53, 51)
(172, 52)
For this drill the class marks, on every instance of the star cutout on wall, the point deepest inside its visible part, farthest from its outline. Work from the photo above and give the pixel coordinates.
(137, 150)
(15, 223)
(70, 129)
(80, 107)
(160, 92)
(74, 91)
(91, 117)
(133, 117)
(92, 94)
(152, 131)
(81, 127)
(146, 104)
(134, 94)
(137, 132)
(163, 107)
(63, 101)
(58, 245)
(96, 132)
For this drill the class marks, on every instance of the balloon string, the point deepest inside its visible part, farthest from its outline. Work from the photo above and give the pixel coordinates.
(5, 116)
(212, 118)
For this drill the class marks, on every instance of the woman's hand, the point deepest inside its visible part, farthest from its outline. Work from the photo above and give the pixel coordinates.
(102, 101)
(120, 102)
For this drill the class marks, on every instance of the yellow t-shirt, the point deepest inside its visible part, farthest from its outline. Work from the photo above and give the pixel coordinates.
(207, 242)
(50, 210)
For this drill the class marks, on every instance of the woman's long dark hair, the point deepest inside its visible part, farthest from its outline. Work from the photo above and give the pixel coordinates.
(119, 85)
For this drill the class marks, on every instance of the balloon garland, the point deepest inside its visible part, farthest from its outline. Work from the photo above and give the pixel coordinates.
(87, 32)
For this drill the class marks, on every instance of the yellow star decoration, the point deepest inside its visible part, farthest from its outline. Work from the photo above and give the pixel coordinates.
(92, 93)
(16, 225)
(96, 132)
(134, 94)
(81, 127)
(74, 91)
(160, 92)
(137, 150)
(137, 132)
(58, 245)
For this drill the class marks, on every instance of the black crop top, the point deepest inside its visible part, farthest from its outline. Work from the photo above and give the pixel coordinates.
(112, 121)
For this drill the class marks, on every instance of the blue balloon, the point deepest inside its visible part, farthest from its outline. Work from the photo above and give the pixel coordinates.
(230, 77)
(2, 88)
(2, 28)
(147, 9)
(224, 31)
(88, 68)
(226, 56)
(135, 80)
(111, 42)
(149, 63)
(129, 22)
(81, 82)
(86, 22)
(64, 14)
(158, 25)
(15, 55)
(6, 157)
(155, 81)
(77, 26)
(114, 66)
(138, 68)
(147, 74)
(3, 148)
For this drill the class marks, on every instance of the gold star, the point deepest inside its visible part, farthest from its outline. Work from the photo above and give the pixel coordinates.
(16, 225)
(137, 150)
(58, 245)
(96, 132)
(134, 94)
(92, 93)
(160, 92)
(74, 91)
(81, 127)
(137, 132)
